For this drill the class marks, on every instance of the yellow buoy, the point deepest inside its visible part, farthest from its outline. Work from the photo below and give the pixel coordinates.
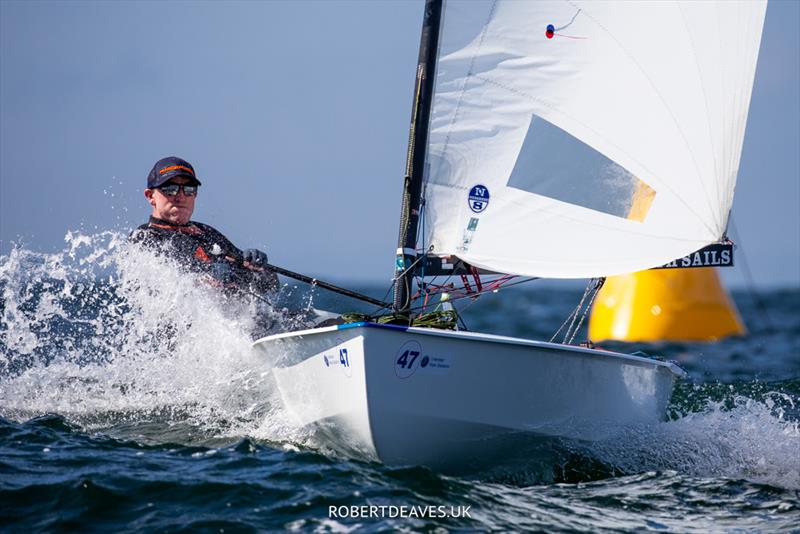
(665, 305)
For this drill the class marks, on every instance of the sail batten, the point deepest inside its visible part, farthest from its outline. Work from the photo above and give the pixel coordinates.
(548, 116)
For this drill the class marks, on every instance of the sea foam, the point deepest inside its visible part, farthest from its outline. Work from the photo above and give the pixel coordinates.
(111, 336)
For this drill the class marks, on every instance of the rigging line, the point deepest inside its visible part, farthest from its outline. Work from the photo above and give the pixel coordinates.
(407, 304)
(446, 280)
(459, 312)
(597, 287)
(571, 316)
(385, 296)
(553, 338)
(421, 228)
(407, 283)
(490, 286)
(577, 311)
(463, 324)
(474, 295)
(531, 279)
(407, 269)
(440, 286)
(748, 276)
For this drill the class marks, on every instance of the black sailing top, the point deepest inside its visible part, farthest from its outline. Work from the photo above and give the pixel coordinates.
(202, 249)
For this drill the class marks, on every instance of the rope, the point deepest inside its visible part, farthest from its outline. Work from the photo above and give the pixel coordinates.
(404, 271)
(748, 276)
(571, 317)
(597, 287)
(474, 295)
(444, 319)
(456, 294)
(593, 288)
(576, 313)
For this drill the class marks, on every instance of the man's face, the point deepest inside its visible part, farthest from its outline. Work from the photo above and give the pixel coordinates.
(177, 209)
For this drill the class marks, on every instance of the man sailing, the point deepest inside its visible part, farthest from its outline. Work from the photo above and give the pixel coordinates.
(172, 188)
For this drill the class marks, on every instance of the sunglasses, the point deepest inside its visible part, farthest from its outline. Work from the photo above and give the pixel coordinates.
(171, 190)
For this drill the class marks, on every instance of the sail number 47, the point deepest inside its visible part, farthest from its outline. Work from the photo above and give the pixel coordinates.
(407, 359)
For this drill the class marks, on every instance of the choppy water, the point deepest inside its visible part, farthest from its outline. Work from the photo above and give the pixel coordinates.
(110, 420)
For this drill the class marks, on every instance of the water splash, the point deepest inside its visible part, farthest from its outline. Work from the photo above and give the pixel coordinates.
(116, 339)
(736, 437)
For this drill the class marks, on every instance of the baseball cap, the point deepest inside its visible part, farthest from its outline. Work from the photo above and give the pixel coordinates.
(168, 168)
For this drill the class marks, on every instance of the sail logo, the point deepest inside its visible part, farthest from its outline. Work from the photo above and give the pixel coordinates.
(714, 255)
(478, 198)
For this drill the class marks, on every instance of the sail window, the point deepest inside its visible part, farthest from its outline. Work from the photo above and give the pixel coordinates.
(554, 164)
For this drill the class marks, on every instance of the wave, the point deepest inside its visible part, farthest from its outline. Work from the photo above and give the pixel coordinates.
(110, 335)
(119, 341)
(754, 436)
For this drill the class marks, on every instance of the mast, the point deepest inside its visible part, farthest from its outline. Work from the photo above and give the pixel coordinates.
(415, 159)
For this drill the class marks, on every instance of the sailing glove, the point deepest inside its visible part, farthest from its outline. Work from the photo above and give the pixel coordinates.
(255, 257)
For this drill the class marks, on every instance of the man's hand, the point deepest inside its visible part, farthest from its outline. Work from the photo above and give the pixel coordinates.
(255, 259)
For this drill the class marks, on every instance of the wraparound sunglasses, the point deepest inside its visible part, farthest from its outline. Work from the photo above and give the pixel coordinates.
(172, 189)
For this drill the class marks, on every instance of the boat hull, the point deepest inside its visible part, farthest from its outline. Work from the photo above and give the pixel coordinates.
(439, 398)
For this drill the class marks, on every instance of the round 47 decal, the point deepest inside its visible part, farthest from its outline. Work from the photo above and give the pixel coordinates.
(408, 359)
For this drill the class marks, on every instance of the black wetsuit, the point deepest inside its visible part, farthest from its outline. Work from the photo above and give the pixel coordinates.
(202, 249)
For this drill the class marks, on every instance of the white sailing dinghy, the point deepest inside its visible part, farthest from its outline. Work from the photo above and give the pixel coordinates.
(558, 139)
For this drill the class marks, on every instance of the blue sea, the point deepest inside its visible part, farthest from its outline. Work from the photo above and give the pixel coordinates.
(130, 402)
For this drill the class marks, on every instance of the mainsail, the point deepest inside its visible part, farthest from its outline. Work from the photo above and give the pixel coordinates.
(552, 119)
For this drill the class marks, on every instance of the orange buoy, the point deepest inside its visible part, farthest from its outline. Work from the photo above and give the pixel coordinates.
(665, 305)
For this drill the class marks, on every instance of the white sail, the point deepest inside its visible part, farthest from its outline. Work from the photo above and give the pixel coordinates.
(573, 139)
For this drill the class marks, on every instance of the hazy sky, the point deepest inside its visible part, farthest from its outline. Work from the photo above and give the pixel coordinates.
(295, 116)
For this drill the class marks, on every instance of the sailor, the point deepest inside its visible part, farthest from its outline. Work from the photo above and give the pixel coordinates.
(172, 189)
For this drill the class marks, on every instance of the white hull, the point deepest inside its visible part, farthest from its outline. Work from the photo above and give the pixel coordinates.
(437, 398)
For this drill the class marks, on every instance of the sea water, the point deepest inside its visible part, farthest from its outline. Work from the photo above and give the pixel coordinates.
(130, 401)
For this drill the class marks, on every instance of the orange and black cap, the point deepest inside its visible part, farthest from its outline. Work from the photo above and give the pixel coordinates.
(168, 168)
